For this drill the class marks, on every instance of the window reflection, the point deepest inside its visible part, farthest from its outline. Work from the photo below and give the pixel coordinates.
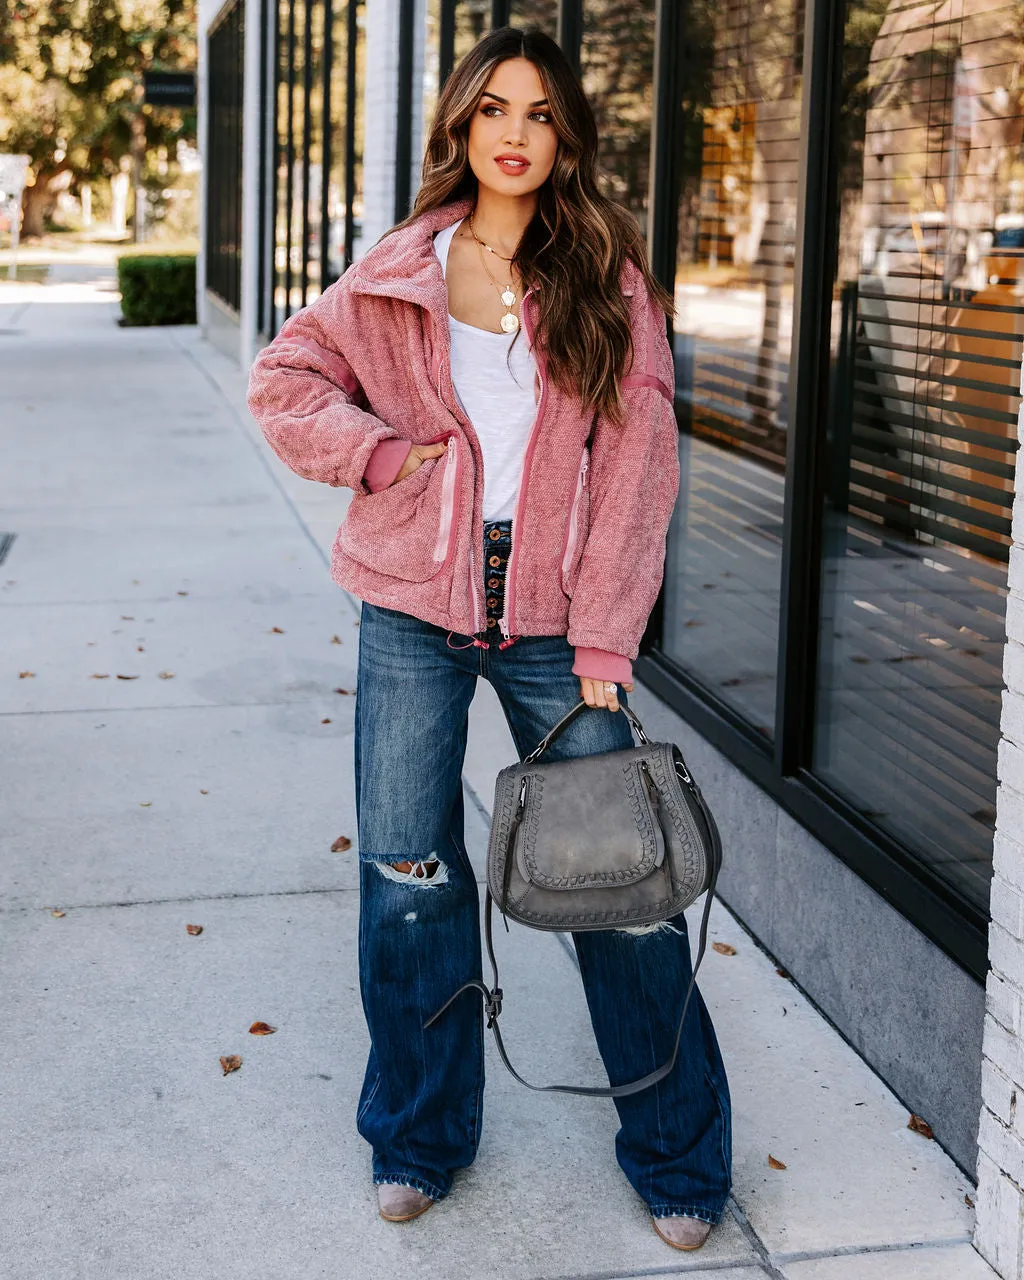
(298, 275)
(472, 21)
(617, 70)
(734, 299)
(926, 340)
(535, 13)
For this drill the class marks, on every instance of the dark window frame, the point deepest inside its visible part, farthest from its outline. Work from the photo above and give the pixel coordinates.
(223, 212)
(783, 768)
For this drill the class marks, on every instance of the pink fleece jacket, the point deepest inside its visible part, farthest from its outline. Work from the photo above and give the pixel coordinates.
(357, 377)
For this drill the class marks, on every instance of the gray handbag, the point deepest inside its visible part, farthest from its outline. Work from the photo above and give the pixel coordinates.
(620, 839)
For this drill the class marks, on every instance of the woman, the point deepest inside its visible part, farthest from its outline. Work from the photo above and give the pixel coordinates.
(512, 491)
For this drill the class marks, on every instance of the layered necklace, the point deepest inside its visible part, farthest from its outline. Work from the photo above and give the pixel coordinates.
(507, 294)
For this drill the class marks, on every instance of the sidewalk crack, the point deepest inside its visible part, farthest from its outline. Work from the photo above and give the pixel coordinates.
(754, 1240)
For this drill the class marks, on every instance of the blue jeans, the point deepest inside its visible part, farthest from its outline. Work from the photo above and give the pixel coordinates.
(422, 1096)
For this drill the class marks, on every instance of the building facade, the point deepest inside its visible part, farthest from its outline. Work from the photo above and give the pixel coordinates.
(834, 190)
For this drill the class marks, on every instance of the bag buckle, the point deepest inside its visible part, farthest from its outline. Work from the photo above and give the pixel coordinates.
(492, 1007)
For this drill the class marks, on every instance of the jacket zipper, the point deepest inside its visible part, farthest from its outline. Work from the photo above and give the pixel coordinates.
(473, 589)
(505, 624)
(444, 530)
(572, 536)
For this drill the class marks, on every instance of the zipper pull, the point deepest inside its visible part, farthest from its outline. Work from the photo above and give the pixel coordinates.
(586, 467)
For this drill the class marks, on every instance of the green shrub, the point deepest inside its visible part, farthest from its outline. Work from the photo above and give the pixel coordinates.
(157, 289)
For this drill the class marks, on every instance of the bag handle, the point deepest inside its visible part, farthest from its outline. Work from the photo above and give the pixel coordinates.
(492, 996)
(568, 718)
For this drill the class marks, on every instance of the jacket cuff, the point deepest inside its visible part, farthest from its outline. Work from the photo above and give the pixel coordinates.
(385, 463)
(599, 664)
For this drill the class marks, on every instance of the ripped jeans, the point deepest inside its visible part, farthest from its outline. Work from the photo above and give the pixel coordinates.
(419, 930)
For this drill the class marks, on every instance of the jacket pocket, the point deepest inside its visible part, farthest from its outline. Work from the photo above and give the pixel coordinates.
(577, 527)
(407, 530)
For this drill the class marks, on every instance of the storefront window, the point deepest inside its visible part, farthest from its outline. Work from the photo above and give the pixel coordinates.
(300, 112)
(617, 70)
(343, 208)
(472, 21)
(926, 344)
(739, 156)
(535, 13)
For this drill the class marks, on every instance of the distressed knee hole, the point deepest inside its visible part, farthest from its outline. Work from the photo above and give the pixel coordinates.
(426, 873)
(642, 930)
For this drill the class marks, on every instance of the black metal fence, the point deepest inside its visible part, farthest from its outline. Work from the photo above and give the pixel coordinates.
(311, 151)
(224, 155)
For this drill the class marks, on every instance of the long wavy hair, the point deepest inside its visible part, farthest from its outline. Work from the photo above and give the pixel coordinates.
(575, 246)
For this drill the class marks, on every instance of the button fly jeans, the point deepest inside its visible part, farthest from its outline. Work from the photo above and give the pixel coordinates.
(419, 931)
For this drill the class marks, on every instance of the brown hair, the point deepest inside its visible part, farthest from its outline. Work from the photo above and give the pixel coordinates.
(577, 242)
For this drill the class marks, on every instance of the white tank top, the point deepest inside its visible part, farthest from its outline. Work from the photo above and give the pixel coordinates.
(497, 394)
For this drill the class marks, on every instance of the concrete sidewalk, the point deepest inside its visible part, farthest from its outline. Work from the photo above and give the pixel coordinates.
(176, 751)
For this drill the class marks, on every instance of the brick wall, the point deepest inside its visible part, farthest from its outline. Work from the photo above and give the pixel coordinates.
(998, 1235)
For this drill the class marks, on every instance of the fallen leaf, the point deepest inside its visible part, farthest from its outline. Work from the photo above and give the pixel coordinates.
(120, 677)
(231, 1063)
(127, 617)
(182, 593)
(261, 1029)
(355, 624)
(139, 649)
(165, 675)
(100, 675)
(91, 644)
(336, 640)
(775, 1164)
(341, 844)
(346, 691)
(326, 720)
(723, 948)
(145, 804)
(919, 1125)
(29, 675)
(135, 582)
(194, 929)
(783, 973)
(202, 792)
(57, 912)
(968, 1202)
(276, 631)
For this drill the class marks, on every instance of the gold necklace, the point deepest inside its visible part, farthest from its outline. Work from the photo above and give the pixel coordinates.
(473, 233)
(509, 321)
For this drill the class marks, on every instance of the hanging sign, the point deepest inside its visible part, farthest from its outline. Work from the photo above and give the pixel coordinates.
(170, 88)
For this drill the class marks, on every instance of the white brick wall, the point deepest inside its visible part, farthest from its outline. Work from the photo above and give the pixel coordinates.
(998, 1234)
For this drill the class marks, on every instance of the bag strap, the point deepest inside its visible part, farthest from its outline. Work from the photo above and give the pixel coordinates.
(492, 996)
(568, 718)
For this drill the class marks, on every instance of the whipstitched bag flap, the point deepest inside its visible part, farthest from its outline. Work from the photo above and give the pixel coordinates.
(567, 850)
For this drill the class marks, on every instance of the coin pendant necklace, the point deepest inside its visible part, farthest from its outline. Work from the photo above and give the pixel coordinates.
(509, 321)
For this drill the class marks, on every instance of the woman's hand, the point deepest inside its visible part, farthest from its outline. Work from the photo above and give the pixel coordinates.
(418, 454)
(602, 693)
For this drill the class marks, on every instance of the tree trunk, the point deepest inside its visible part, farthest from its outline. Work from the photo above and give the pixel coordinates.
(36, 202)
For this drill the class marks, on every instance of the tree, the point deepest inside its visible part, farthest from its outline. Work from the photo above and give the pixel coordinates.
(70, 86)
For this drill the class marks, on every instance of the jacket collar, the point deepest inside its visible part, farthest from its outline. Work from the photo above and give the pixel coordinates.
(404, 264)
